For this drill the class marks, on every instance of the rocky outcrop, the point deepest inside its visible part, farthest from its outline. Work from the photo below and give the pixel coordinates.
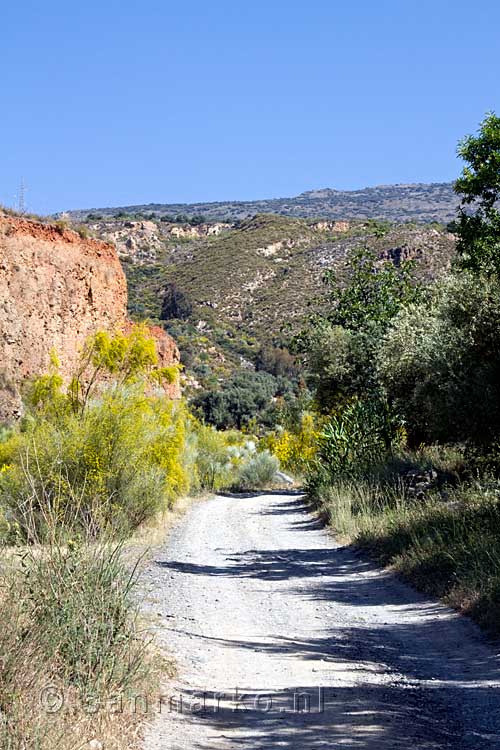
(55, 290)
(168, 354)
(431, 250)
(142, 242)
(200, 230)
(332, 226)
(138, 241)
(269, 250)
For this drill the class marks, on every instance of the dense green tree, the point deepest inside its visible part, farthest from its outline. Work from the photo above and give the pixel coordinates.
(375, 291)
(244, 397)
(197, 219)
(339, 347)
(175, 303)
(440, 363)
(340, 364)
(478, 226)
(276, 360)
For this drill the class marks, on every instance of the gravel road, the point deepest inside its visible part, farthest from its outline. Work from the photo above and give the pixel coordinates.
(285, 639)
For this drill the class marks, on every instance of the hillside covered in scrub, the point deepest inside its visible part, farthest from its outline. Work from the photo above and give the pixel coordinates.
(419, 202)
(226, 290)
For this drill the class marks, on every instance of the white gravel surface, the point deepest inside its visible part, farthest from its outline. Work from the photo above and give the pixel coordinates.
(261, 608)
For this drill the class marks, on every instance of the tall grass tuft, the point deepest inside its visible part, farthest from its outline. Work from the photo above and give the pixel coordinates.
(70, 629)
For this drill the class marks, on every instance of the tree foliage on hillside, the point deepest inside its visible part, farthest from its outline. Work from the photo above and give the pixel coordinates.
(479, 185)
(440, 363)
(339, 347)
(430, 357)
(375, 291)
(175, 303)
(245, 397)
(276, 360)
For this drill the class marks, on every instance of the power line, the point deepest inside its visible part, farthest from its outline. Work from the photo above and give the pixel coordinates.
(21, 199)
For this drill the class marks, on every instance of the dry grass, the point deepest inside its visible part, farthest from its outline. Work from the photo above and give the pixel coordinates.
(70, 641)
(446, 545)
(78, 668)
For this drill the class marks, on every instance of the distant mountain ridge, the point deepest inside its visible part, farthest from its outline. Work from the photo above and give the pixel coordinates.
(420, 202)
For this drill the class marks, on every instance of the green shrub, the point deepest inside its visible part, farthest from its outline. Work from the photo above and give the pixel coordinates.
(246, 396)
(213, 459)
(229, 459)
(119, 463)
(62, 225)
(83, 231)
(440, 363)
(112, 450)
(258, 471)
(362, 435)
(83, 594)
(117, 466)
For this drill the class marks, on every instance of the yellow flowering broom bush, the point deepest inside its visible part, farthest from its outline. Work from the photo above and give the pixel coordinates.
(109, 453)
(296, 448)
(111, 450)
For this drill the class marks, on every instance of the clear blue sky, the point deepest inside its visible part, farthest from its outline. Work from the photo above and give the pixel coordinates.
(113, 103)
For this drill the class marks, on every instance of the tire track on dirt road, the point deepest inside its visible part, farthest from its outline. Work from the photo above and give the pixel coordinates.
(286, 639)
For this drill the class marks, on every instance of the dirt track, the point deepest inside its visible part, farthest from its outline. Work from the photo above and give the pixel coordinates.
(251, 595)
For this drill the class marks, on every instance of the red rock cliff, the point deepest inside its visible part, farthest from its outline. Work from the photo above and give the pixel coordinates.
(55, 290)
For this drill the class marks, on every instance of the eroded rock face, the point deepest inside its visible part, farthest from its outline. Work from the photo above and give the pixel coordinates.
(332, 226)
(168, 354)
(55, 290)
(141, 242)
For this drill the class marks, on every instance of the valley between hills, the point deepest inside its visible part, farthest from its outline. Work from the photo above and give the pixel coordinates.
(224, 290)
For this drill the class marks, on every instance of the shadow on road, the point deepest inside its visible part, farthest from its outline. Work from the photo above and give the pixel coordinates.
(399, 634)
(261, 493)
(379, 718)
